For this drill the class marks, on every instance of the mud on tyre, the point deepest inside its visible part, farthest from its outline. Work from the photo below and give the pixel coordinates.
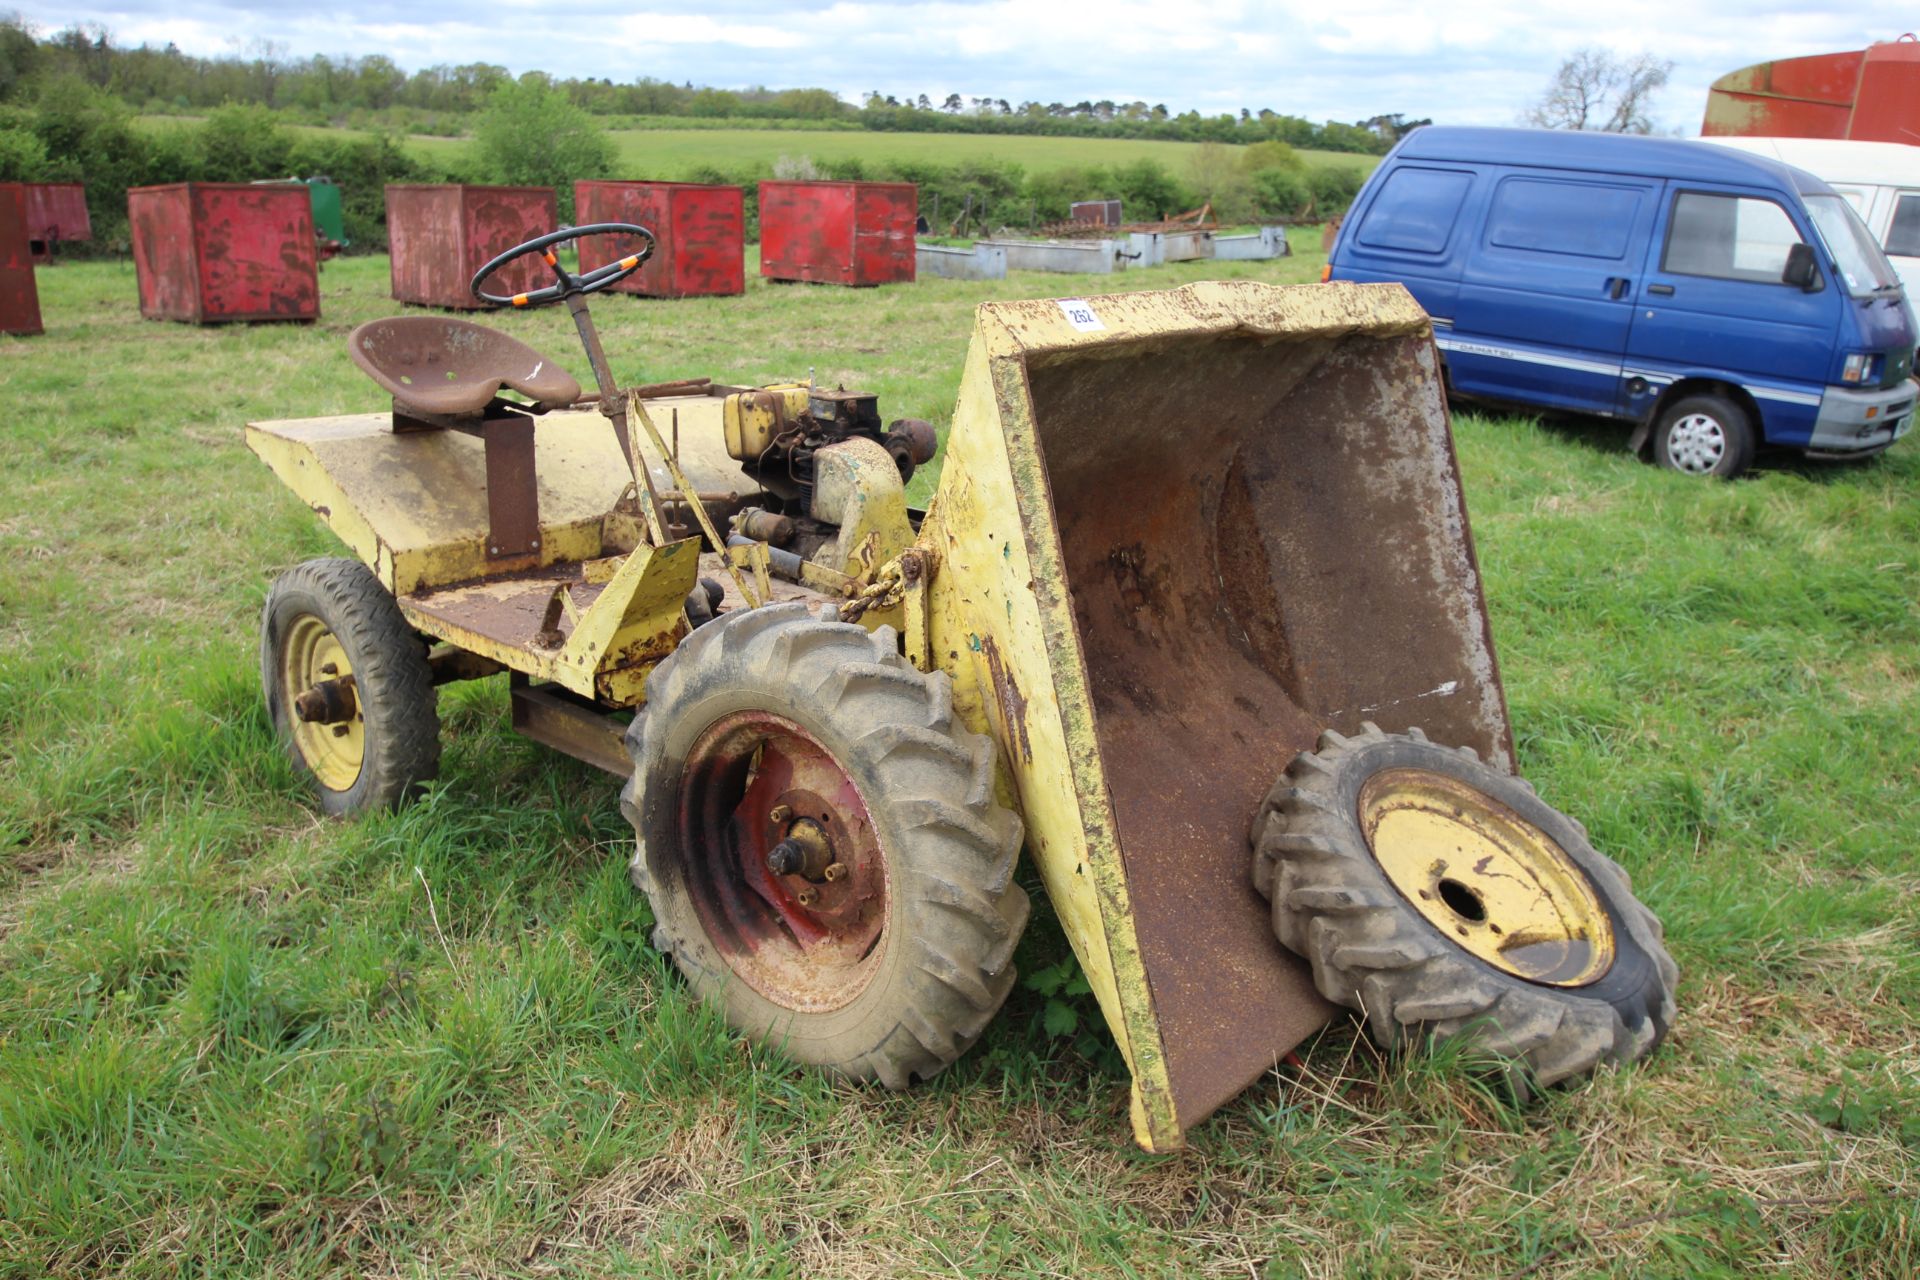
(1441, 898)
(819, 838)
(329, 626)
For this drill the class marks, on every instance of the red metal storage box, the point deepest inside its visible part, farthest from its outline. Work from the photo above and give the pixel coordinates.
(439, 235)
(1870, 94)
(699, 230)
(212, 252)
(56, 213)
(857, 233)
(1099, 213)
(19, 297)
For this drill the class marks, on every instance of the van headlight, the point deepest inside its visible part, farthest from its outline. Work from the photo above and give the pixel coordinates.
(1859, 367)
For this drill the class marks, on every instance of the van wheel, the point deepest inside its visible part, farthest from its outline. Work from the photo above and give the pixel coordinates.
(1704, 435)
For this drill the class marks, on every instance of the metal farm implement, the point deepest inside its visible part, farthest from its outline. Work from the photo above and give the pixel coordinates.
(1197, 566)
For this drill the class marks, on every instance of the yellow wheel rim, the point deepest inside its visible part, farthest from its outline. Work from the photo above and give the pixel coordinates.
(1486, 877)
(334, 752)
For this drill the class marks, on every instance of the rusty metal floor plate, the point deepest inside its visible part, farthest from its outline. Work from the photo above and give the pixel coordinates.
(509, 611)
(506, 610)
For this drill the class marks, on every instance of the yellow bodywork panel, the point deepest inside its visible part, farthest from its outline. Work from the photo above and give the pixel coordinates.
(1176, 535)
(857, 489)
(597, 639)
(413, 505)
(1481, 873)
(753, 420)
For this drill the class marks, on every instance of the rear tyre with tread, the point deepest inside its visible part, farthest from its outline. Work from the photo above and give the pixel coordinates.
(761, 714)
(1372, 949)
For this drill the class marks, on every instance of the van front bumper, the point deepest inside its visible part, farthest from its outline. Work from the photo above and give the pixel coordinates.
(1853, 422)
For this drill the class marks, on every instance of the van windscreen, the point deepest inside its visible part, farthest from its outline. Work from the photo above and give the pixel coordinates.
(1864, 270)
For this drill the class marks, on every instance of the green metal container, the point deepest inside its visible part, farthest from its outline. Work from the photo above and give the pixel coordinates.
(328, 221)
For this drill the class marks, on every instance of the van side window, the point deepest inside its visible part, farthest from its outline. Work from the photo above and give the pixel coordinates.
(1903, 237)
(1415, 209)
(1578, 218)
(1729, 237)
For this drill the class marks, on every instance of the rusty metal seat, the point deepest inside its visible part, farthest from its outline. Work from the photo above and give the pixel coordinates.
(441, 367)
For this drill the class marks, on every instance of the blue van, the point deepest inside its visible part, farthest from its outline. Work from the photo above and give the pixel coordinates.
(1718, 300)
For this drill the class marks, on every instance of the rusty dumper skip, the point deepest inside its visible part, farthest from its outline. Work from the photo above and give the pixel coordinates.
(1196, 578)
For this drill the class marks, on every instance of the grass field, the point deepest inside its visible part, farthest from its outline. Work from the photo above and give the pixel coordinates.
(676, 153)
(237, 1040)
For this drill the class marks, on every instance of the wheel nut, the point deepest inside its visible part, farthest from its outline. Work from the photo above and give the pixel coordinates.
(834, 872)
(807, 896)
(786, 858)
(780, 813)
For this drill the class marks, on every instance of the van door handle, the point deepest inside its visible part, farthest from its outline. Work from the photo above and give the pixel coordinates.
(1617, 287)
(1664, 290)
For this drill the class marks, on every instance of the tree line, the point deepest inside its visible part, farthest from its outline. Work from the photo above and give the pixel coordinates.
(320, 89)
(63, 119)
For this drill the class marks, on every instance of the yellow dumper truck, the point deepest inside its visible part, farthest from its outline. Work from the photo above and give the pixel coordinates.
(1193, 618)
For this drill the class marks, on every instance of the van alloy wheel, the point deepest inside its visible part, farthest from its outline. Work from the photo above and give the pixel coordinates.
(1704, 434)
(1696, 444)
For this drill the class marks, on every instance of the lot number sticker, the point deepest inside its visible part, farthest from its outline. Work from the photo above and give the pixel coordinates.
(1080, 315)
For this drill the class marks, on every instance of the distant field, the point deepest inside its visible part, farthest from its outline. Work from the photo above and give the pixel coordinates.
(672, 154)
(675, 153)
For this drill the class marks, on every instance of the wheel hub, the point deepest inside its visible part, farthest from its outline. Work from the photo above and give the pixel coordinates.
(329, 702)
(1487, 878)
(316, 683)
(782, 862)
(1697, 443)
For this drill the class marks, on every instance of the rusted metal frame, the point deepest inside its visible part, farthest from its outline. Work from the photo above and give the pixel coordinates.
(513, 493)
(548, 714)
(1153, 1112)
(754, 556)
(513, 487)
(691, 498)
(682, 387)
(450, 664)
(916, 577)
(614, 406)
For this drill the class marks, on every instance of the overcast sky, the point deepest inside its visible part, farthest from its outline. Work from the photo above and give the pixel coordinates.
(1478, 63)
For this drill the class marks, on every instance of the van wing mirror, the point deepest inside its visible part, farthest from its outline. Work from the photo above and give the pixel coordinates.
(1802, 272)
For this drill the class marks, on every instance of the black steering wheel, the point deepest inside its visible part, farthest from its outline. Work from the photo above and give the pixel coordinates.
(569, 285)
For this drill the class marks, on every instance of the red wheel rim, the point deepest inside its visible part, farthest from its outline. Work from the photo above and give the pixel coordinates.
(809, 943)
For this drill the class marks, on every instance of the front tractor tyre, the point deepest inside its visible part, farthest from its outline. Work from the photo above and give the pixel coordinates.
(820, 841)
(1442, 898)
(348, 686)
